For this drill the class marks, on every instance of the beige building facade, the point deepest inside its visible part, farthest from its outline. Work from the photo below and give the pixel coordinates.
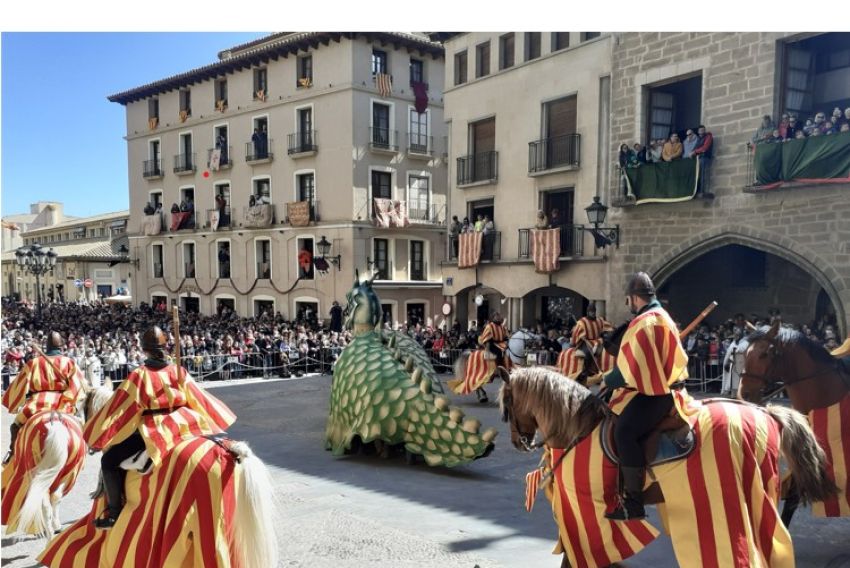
(87, 249)
(527, 113)
(334, 141)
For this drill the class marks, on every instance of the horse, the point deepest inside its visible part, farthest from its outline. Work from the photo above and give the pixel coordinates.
(210, 503)
(818, 385)
(719, 500)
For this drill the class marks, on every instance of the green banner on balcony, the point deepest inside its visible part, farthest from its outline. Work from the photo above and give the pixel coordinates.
(812, 159)
(663, 182)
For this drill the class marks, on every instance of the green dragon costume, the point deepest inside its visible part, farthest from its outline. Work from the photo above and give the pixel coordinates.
(383, 391)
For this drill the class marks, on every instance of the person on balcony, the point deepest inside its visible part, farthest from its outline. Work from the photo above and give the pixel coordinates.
(639, 154)
(625, 156)
(845, 119)
(455, 229)
(704, 151)
(829, 128)
(783, 125)
(479, 224)
(764, 131)
(690, 144)
(542, 222)
(149, 210)
(672, 148)
(792, 129)
(466, 227)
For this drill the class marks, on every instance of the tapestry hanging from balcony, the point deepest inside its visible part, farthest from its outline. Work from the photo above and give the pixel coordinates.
(152, 224)
(298, 213)
(180, 220)
(545, 250)
(817, 159)
(469, 249)
(663, 182)
(391, 213)
(258, 216)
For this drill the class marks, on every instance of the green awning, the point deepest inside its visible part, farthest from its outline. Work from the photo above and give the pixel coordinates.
(664, 182)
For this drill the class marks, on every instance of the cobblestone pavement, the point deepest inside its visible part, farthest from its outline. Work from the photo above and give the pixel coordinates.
(364, 511)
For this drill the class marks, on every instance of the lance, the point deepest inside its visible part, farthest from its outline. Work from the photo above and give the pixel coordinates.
(175, 319)
(704, 314)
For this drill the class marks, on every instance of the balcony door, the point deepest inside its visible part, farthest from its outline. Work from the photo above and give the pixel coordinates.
(417, 260)
(381, 258)
(483, 142)
(305, 128)
(380, 124)
(559, 121)
(381, 187)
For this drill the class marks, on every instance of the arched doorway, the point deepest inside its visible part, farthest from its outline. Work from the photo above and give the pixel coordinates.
(474, 314)
(552, 306)
(747, 280)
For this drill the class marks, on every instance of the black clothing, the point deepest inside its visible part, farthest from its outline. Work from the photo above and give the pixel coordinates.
(639, 418)
(113, 475)
(336, 319)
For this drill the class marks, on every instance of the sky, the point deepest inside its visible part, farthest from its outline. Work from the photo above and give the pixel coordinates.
(61, 139)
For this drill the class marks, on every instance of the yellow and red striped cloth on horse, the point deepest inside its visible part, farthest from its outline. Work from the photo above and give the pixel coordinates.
(29, 446)
(479, 370)
(181, 514)
(571, 366)
(469, 249)
(39, 387)
(545, 249)
(832, 430)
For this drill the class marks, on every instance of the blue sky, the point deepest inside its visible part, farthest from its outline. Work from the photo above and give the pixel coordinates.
(61, 139)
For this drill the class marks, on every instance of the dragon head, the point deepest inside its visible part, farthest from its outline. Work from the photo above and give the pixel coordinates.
(363, 311)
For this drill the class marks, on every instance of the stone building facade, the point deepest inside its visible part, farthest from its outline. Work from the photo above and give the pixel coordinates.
(798, 235)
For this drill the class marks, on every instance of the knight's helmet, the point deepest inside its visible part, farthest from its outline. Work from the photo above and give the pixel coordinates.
(591, 310)
(55, 341)
(496, 318)
(154, 342)
(640, 284)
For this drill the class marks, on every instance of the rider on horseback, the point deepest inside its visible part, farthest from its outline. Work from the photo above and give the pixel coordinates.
(47, 382)
(156, 407)
(586, 337)
(650, 360)
(495, 338)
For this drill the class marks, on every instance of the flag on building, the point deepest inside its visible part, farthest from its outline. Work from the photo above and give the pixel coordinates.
(469, 249)
(384, 83)
(545, 249)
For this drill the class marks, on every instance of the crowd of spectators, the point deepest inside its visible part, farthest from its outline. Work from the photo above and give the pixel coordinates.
(791, 127)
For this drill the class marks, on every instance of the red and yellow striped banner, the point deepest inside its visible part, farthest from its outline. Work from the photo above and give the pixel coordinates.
(29, 447)
(545, 249)
(469, 249)
(832, 430)
(478, 372)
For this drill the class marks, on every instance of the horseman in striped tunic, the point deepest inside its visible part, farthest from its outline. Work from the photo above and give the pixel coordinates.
(49, 382)
(586, 337)
(154, 409)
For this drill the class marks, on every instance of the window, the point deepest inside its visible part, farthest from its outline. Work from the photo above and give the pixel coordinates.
(381, 187)
(417, 260)
(532, 45)
(305, 71)
(673, 107)
(419, 198)
(262, 191)
(306, 187)
(156, 260)
(460, 68)
(418, 132)
(305, 129)
(258, 148)
(560, 40)
(559, 147)
(222, 203)
(587, 36)
(264, 258)
(223, 259)
(483, 136)
(221, 94)
(305, 258)
(379, 62)
(482, 59)
(154, 165)
(222, 143)
(506, 51)
(101, 232)
(381, 259)
(184, 161)
(563, 201)
(153, 108)
(261, 86)
(814, 74)
(186, 101)
(381, 125)
(156, 199)
(189, 260)
(417, 71)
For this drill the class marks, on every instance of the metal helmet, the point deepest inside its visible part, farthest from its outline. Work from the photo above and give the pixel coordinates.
(496, 317)
(591, 310)
(154, 339)
(640, 284)
(55, 341)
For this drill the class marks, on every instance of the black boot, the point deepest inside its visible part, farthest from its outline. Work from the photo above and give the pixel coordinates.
(113, 485)
(14, 427)
(482, 395)
(630, 507)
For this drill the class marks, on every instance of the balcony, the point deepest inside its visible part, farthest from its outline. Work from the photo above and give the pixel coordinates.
(258, 216)
(572, 242)
(302, 213)
(491, 248)
(259, 153)
(157, 270)
(556, 154)
(264, 271)
(420, 146)
(419, 273)
(224, 160)
(383, 140)
(184, 164)
(806, 162)
(480, 168)
(218, 219)
(152, 169)
(182, 220)
(302, 144)
(423, 215)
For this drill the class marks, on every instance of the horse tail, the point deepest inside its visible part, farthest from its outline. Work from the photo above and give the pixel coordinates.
(255, 537)
(36, 509)
(804, 455)
(460, 365)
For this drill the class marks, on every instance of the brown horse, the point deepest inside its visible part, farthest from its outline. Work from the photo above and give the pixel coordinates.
(728, 484)
(818, 385)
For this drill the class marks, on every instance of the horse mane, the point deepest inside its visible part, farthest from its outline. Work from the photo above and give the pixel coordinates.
(564, 409)
(787, 337)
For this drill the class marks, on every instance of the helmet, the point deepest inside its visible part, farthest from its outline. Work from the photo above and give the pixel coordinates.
(55, 341)
(154, 339)
(496, 317)
(640, 284)
(591, 309)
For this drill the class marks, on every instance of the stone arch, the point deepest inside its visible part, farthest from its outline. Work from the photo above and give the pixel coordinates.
(766, 241)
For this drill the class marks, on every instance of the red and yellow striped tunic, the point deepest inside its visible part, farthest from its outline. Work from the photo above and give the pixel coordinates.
(651, 356)
(187, 411)
(39, 387)
(495, 332)
(590, 329)
(831, 426)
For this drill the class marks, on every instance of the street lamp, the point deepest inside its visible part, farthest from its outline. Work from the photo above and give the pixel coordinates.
(37, 261)
(602, 236)
(324, 248)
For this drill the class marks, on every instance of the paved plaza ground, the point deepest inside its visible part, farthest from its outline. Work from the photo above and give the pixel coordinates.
(367, 512)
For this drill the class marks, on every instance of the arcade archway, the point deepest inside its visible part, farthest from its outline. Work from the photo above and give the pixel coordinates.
(552, 306)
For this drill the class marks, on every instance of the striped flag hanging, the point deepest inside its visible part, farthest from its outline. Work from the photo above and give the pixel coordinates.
(532, 484)
(384, 83)
(469, 249)
(832, 430)
(545, 249)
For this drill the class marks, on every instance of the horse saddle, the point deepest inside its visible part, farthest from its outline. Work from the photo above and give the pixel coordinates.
(671, 440)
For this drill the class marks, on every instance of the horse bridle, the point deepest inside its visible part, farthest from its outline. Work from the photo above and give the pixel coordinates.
(779, 384)
(526, 439)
